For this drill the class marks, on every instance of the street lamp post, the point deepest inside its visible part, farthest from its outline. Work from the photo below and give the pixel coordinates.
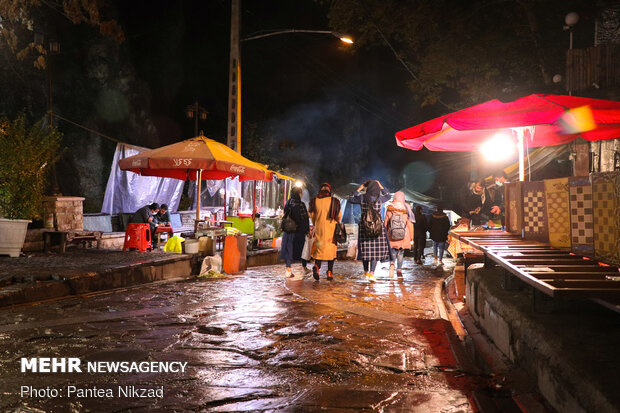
(234, 90)
(196, 111)
(52, 49)
(570, 21)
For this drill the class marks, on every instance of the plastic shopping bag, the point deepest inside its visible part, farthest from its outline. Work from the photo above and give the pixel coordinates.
(352, 250)
(174, 244)
(306, 253)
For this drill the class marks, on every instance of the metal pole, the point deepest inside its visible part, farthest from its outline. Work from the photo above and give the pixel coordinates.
(234, 81)
(49, 76)
(198, 190)
(254, 201)
(570, 47)
(520, 134)
(196, 114)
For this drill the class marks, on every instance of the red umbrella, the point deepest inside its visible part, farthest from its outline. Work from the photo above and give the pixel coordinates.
(543, 120)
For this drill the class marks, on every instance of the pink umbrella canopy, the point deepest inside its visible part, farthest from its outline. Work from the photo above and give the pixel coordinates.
(549, 119)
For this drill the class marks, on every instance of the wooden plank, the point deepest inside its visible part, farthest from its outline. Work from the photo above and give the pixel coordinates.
(569, 275)
(549, 262)
(563, 287)
(529, 246)
(544, 275)
(573, 268)
(611, 304)
(525, 251)
(586, 284)
(537, 255)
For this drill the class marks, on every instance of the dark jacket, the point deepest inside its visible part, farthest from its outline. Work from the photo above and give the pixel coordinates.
(439, 226)
(141, 216)
(293, 242)
(162, 218)
(421, 225)
(496, 195)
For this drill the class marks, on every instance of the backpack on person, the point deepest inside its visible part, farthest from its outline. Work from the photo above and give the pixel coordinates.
(371, 225)
(398, 227)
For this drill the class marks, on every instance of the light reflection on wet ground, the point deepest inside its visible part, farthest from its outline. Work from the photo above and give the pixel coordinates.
(254, 342)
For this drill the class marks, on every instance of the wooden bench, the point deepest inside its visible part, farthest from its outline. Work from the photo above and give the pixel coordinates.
(552, 272)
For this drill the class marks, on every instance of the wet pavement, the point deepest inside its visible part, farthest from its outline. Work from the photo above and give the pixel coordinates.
(253, 342)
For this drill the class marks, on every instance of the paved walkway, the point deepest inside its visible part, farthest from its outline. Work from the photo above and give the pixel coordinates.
(253, 342)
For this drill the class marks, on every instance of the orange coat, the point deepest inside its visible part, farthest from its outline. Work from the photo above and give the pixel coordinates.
(324, 247)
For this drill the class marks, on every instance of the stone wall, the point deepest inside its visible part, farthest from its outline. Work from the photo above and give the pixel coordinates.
(570, 355)
(67, 212)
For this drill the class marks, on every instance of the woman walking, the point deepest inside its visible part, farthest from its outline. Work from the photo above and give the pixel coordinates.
(419, 235)
(399, 224)
(293, 242)
(325, 214)
(372, 247)
(438, 228)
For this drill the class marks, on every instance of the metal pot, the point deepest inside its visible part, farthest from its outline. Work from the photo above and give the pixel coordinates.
(233, 206)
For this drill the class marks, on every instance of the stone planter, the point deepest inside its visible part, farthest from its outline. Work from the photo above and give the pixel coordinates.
(12, 236)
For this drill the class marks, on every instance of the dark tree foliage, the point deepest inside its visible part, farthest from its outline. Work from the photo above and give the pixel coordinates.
(466, 52)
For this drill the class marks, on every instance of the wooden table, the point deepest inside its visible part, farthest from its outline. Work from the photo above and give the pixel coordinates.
(162, 230)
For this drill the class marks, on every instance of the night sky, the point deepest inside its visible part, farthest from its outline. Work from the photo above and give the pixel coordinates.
(312, 106)
(299, 88)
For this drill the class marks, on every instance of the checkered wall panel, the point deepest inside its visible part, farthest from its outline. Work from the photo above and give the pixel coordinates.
(581, 215)
(606, 205)
(558, 213)
(535, 222)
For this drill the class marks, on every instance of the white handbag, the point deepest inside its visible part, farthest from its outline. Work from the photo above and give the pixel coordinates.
(306, 253)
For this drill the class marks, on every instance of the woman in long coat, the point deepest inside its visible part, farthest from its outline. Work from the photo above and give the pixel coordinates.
(371, 250)
(398, 208)
(293, 242)
(325, 214)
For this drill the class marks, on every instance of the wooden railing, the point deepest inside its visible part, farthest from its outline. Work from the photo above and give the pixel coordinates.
(593, 68)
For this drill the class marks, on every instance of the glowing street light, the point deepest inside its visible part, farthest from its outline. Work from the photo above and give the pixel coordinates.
(499, 148)
(234, 71)
(299, 184)
(268, 33)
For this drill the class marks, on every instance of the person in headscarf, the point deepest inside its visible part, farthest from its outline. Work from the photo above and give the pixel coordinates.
(399, 224)
(438, 228)
(325, 214)
(419, 235)
(293, 242)
(371, 250)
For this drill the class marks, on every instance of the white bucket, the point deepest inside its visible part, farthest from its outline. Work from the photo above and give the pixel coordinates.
(191, 246)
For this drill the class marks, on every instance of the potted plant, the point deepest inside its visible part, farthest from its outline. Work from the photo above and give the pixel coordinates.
(26, 152)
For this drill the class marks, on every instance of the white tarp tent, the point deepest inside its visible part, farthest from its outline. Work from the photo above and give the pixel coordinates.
(126, 191)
